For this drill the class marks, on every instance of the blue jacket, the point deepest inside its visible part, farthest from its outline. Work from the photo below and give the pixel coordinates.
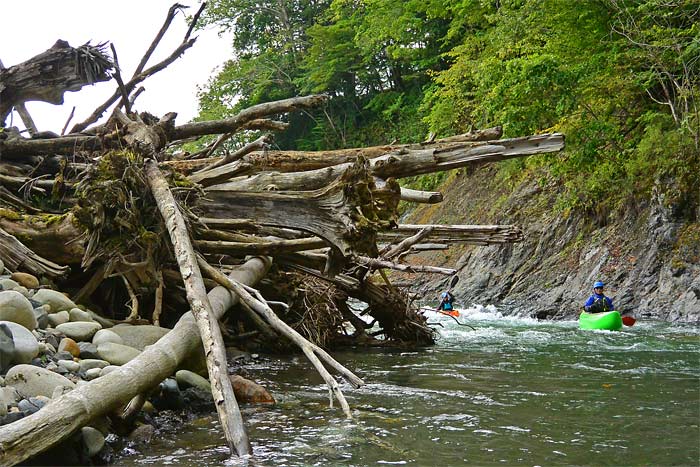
(596, 297)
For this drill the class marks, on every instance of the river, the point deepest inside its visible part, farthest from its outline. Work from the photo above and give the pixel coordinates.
(514, 391)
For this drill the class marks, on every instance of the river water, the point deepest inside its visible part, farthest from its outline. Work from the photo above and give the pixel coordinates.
(514, 391)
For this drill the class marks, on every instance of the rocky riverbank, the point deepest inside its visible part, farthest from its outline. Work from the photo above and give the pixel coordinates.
(648, 251)
(49, 346)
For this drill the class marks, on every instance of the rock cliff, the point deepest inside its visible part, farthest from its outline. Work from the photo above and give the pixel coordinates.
(647, 251)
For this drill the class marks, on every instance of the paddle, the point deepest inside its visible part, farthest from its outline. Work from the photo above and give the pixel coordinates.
(628, 320)
(453, 282)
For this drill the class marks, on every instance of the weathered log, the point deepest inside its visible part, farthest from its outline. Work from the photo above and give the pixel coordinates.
(63, 416)
(346, 214)
(471, 234)
(57, 238)
(390, 251)
(403, 163)
(18, 257)
(47, 76)
(224, 398)
(300, 161)
(258, 144)
(270, 248)
(375, 263)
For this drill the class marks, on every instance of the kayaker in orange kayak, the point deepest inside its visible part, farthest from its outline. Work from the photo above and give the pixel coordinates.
(598, 302)
(446, 304)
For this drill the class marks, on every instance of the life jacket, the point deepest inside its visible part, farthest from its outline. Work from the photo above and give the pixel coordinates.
(600, 305)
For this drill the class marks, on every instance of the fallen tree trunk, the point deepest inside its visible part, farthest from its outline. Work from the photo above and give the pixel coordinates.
(63, 416)
(404, 163)
(471, 234)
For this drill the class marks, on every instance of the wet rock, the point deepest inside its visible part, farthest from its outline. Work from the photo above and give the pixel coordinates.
(93, 440)
(88, 350)
(69, 345)
(247, 391)
(16, 308)
(7, 348)
(106, 335)
(198, 400)
(31, 381)
(25, 280)
(26, 345)
(80, 330)
(186, 379)
(56, 319)
(117, 354)
(143, 434)
(169, 396)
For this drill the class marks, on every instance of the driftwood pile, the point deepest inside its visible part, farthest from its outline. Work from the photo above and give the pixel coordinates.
(119, 214)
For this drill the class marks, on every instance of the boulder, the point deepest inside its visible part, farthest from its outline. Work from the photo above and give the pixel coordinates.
(247, 391)
(117, 354)
(56, 300)
(16, 308)
(139, 337)
(106, 335)
(32, 381)
(26, 345)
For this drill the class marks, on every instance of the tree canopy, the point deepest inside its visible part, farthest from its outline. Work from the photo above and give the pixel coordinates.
(619, 77)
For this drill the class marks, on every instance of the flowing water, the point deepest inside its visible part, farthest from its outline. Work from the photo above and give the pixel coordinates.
(514, 391)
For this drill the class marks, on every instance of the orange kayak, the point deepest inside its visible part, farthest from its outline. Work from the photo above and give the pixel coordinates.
(450, 312)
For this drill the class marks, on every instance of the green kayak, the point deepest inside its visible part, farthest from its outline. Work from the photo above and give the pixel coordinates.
(610, 320)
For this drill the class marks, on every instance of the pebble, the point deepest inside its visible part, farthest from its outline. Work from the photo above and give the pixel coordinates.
(76, 314)
(25, 280)
(91, 363)
(117, 354)
(56, 319)
(57, 300)
(69, 365)
(33, 381)
(69, 345)
(93, 440)
(79, 330)
(26, 345)
(106, 335)
(93, 373)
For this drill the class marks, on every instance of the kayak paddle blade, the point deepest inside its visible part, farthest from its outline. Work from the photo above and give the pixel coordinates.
(628, 320)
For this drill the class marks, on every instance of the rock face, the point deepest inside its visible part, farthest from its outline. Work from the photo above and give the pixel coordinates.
(648, 256)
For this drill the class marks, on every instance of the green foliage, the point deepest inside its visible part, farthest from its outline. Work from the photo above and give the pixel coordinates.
(619, 77)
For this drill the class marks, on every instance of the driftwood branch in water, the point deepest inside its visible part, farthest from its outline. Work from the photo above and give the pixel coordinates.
(222, 391)
(63, 416)
(311, 350)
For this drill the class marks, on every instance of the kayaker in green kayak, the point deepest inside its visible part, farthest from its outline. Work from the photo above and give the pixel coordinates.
(598, 302)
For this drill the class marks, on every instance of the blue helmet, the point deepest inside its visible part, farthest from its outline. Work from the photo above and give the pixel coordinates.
(444, 294)
(598, 284)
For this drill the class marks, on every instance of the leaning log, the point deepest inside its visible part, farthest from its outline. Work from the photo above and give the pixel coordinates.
(222, 391)
(63, 416)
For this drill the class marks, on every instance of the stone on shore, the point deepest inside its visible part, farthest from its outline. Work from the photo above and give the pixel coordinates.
(117, 354)
(32, 381)
(76, 314)
(7, 348)
(80, 330)
(25, 280)
(93, 440)
(16, 308)
(26, 345)
(56, 300)
(58, 318)
(187, 378)
(106, 335)
(139, 337)
(69, 345)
